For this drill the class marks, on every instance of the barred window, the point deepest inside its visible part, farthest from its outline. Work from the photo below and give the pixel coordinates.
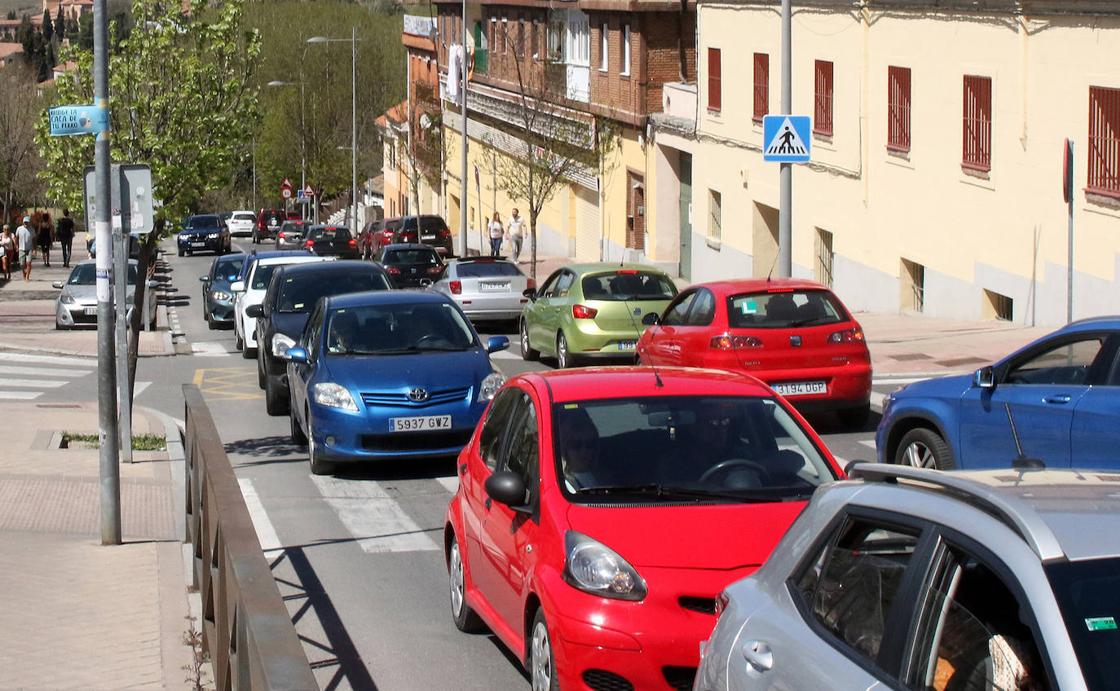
(1104, 141)
(977, 130)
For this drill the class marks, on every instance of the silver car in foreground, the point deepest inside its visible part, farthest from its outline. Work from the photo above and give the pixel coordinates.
(913, 578)
(485, 288)
(77, 303)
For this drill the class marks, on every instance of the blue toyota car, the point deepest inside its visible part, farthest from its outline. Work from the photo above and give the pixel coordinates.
(388, 374)
(1056, 400)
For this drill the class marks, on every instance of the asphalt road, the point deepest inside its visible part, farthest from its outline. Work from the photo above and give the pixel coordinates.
(356, 556)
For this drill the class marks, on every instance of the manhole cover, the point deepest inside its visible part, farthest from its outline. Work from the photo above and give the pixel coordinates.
(906, 357)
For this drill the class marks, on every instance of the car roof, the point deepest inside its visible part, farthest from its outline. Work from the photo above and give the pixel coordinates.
(408, 246)
(386, 297)
(759, 285)
(597, 383)
(267, 254)
(292, 258)
(1053, 510)
(1107, 322)
(94, 261)
(600, 267)
(330, 267)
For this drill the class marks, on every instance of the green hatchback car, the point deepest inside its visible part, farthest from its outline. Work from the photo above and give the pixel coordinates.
(589, 311)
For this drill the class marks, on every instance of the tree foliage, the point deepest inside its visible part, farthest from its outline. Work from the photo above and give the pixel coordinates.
(20, 164)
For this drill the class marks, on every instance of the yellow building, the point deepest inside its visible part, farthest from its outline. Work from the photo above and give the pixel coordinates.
(938, 137)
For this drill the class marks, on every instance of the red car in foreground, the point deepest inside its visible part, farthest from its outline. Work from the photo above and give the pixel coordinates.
(601, 511)
(793, 334)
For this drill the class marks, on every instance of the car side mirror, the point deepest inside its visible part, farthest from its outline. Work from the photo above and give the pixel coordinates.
(651, 318)
(984, 378)
(508, 488)
(254, 311)
(297, 355)
(203, 278)
(237, 287)
(530, 293)
(57, 284)
(496, 343)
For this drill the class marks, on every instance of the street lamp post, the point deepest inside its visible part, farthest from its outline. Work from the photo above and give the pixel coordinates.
(353, 115)
(302, 135)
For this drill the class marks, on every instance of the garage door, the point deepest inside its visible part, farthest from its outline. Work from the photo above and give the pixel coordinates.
(587, 223)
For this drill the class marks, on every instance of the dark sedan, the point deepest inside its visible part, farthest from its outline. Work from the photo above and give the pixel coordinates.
(217, 298)
(411, 265)
(332, 241)
(427, 229)
(204, 233)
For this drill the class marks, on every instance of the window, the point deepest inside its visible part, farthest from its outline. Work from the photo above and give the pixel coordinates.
(825, 257)
(563, 285)
(678, 313)
(912, 285)
(493, 429)
(1104, 141)
(534, 40)
(604, 37)
(715, 215)
(703, 308)
(522, 454)
(822, 98)
(495, 38)
(714, 96)
(625, 49)
(780, 310)
(521, 37)
(1065, 364)
(977, 147)
(898, 109)
(761, 85)
(577, 48)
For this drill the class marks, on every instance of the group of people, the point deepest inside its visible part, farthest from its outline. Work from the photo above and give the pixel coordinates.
(515, 233)
(16, 248)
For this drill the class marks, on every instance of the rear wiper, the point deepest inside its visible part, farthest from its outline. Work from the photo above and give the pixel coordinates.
(670, 492)
(806, 322)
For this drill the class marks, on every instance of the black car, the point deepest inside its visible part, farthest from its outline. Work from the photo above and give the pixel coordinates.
(427, 229)
(332, 241)
(411, 265)
(292, 293)
(204, 233)
(217, 298)
(290, 235)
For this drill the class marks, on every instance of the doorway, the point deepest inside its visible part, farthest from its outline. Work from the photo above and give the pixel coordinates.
(684, 202)
(635, 212)
(765, 240)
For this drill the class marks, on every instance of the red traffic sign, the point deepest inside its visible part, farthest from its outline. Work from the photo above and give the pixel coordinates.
(308, 192)
(286, 189)
(1067, 171)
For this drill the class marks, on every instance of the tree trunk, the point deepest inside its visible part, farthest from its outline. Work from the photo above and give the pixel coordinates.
(532, 244)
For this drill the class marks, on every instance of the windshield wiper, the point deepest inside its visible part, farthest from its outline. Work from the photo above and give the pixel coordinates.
(675, 492)
(807, 322)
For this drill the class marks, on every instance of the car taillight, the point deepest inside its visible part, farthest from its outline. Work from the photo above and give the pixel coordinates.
(393, 270)
(387, 233)
(280, 235)
(435, 269)
(584, 312)
(853, 335)
(722, 601)
(729, 342)
(443, 232)
(353, 242)
(456, 287)
(309, 244)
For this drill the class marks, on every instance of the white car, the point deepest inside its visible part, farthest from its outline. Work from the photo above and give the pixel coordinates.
(251, 290)
(241, 223)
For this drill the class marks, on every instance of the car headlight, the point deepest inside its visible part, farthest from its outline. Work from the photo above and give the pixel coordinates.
(221, 296)
(595, 568)
(213, 235)
(67, 299)
(490, 386)
(334, 396)
(280, 345)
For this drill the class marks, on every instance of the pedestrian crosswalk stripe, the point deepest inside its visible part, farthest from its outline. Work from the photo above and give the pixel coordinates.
(48, 359)
(210, 349)
(35, 383)
(877, 399)
(20, 395)
(49, 372)
(504, 355)
(373, 517)
(43, 371)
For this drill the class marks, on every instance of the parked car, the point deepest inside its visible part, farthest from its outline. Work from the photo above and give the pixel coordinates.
(134, 239)
(1060, 391)
(331, 241)
(241, 223)
(249, 290)
(204, 233)
(293, 216)
(485, 288)
(600, 512)
(411, 265)
(793, 334)
(426, 229)
(77, 303)
(388, 374)
(910, 578)
(376, 235)
(217, 298)
(268, 224)
(592, 311)
(292, 293)
(290, 235)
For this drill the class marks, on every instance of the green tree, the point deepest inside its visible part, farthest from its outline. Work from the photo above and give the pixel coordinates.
(182, 100)
(48, 27)
(60, 24)
(19, 160)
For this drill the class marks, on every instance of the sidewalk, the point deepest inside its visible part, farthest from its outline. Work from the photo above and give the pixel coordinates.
(79, 615)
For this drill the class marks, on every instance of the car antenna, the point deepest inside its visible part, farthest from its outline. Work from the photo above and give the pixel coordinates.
(630, 313)
(1021, 461)
(772, 265)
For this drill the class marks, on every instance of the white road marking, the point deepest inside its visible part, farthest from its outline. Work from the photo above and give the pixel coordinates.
(35, 383)
(266, 533)
(877, 399)
(209, 349)
(19, 395)
(869, 443)
(48, 359)
(903, 380)
(45, 371)
(373, 517)
(451, 484)
(139, 388)
(504, 355)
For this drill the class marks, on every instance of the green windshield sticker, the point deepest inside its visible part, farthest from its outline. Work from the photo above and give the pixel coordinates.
(1101, 624)
(749, 307)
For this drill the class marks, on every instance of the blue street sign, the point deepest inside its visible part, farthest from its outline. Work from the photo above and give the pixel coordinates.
(71, 120)
(786, 138)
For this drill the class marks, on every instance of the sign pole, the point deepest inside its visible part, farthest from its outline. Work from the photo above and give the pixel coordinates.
(120, 281)
(464, 188)
(1068, 189)
(785, 195)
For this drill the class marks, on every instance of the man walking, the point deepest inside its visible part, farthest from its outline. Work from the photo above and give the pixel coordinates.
(64, 231)
(25, 240)
(516, 231)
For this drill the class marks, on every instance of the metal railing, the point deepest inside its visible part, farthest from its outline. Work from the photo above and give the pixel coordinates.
(246, 629)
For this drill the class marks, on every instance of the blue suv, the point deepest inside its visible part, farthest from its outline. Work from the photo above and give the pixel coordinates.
(1056, 400)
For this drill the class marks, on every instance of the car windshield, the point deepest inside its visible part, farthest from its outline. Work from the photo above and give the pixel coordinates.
(86, 275)
(262, 275)
(299, 293)
(398, 329)
(629, 285)
(1088, 595)
(290, 229)
(692, 447)
(431, 224)
(783, 310)
(486, 269)
(228, 268)
(329, 233)
(203, 222)
(243, 217)
(417, 256)
(273, 218)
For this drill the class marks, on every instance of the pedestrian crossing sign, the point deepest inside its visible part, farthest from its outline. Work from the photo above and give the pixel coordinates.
(786, 138)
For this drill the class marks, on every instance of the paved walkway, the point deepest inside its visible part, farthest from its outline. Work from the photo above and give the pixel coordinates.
(79, 615)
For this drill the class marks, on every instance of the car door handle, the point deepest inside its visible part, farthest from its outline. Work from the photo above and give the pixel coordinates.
(1058, 399)
(758, 655)
(488, 502)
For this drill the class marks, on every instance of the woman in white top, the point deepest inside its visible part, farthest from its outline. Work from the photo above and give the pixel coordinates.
(497, 232)
(7, 252)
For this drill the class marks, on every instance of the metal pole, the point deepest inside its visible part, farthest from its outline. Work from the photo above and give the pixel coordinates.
(1069, 262)
(354, 126)
(463, 169)
(120, 283)
(254, 172)
(785, 224)
(106, 366)
(302, 144)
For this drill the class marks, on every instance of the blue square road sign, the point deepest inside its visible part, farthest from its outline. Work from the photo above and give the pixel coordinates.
(786, 138)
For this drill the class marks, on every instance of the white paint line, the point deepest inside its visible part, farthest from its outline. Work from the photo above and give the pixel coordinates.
(504, 355)
(45, 371)
(48, 359)
(266, 533)
(877, 399)
(19, 395)
(451, 484)
(904, 380)
(869, 443)
(35, 383)
(209, 349)
(139, 389)
(373, 517)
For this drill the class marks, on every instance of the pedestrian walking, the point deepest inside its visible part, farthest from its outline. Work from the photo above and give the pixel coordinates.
(497, 233)
(7, 251)
(516, 231)
(65, 234)
(25, 242)
(46, 238)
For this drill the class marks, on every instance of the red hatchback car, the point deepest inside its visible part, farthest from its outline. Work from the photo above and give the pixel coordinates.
(600, 512)
(793, 334)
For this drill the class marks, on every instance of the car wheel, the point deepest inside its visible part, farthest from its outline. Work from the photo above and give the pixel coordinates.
(298, 437)
(542, 667)
(564, 358)
(527, 352)
(275, 402)
(180, 251)
(261, 376)
(190, 253)
(239, 343)
(855, 418)
(318, 465)
(248, 353)
(210, 322)
(465, 618)
(924, 448)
